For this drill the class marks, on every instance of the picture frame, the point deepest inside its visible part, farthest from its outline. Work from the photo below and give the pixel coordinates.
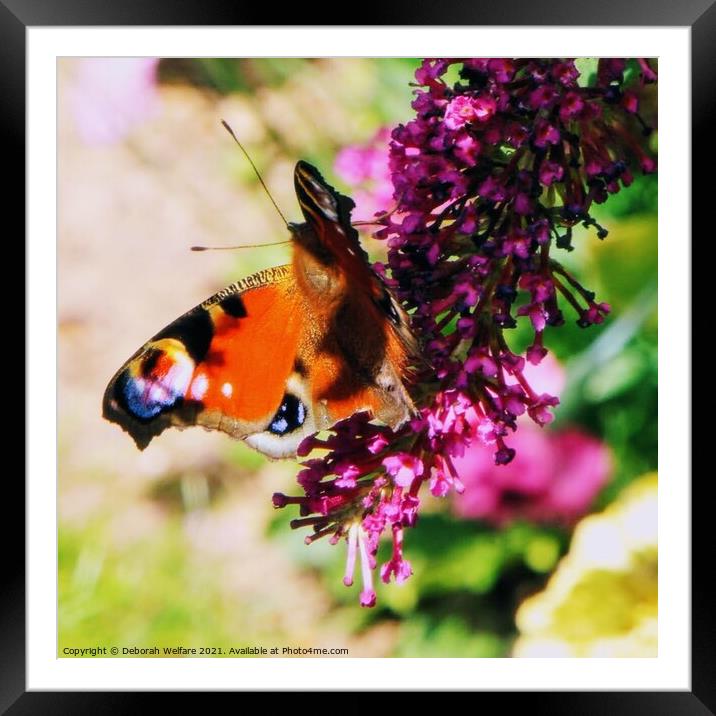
(16, 16)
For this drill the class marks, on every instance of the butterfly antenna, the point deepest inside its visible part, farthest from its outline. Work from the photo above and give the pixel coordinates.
(233, 248)
(256, 171)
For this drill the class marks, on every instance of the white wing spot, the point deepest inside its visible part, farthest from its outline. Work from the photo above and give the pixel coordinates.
(199, 386)
(227, 389)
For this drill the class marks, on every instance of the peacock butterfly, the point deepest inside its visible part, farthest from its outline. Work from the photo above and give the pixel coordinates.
(281, 354)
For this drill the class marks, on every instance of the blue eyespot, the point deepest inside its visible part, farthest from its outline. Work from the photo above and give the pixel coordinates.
(289, 417)
(146, 398)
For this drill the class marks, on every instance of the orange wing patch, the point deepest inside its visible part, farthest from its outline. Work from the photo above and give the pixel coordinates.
(251, 355)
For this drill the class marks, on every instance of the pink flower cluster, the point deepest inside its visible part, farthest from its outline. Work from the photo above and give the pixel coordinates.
(489, 179)
(554, 477)
(366, 168)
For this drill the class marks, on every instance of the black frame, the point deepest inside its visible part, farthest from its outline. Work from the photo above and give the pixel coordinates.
(699, 15)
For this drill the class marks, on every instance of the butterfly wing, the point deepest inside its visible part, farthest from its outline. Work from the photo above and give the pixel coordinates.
(282, 354)
(368, 346)
(227, 365)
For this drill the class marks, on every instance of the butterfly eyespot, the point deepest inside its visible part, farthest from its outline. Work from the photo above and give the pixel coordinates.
(290, 416)
(130, 393)
(145, 396)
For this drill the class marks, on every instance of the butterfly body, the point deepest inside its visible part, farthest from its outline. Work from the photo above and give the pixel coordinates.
(282, 354)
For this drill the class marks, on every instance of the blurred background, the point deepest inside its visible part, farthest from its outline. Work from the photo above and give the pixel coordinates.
(553, 555)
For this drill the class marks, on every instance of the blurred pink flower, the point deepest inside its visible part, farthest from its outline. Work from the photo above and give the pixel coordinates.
(111, 95)
(554, 477)
(547, 377)
(364, 167)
